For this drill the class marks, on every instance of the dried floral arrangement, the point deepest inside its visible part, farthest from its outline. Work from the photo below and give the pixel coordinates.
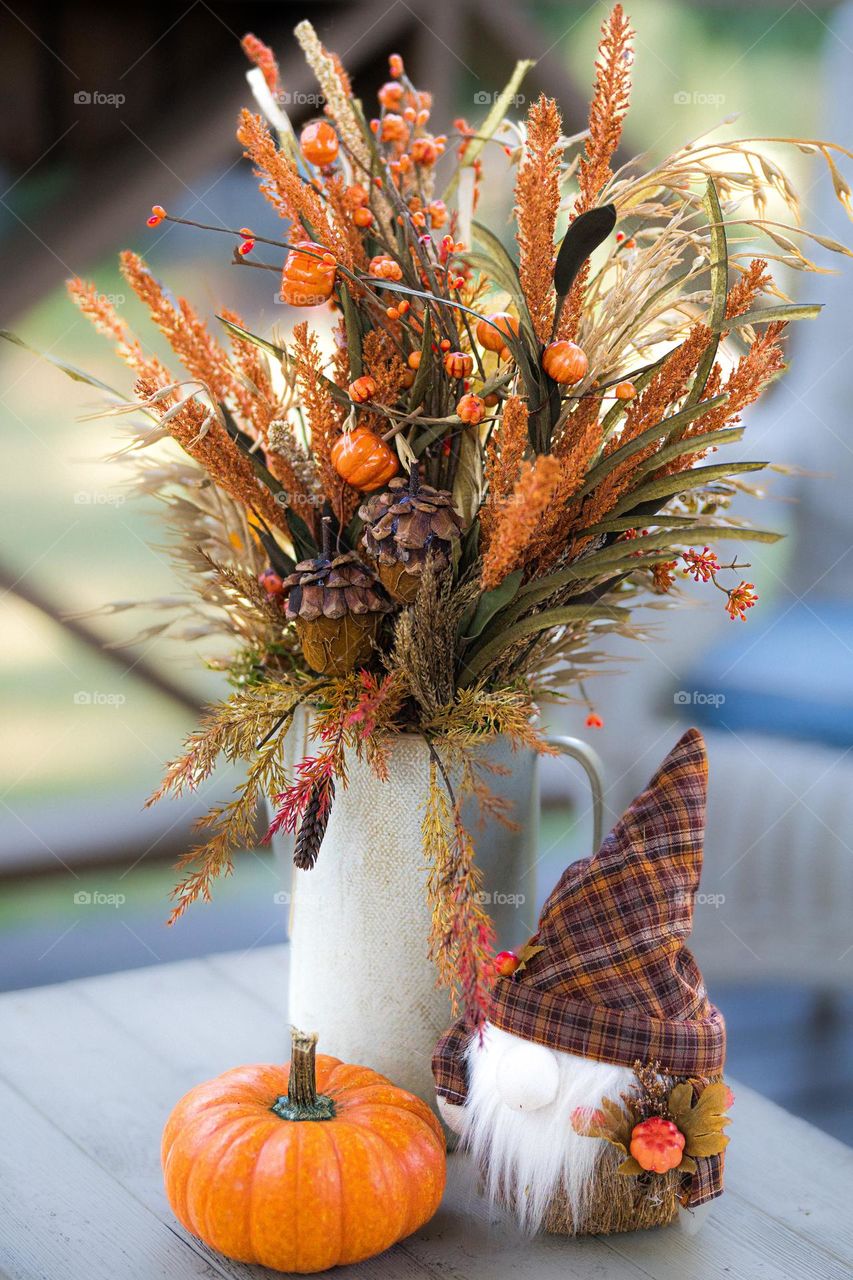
(431, 527)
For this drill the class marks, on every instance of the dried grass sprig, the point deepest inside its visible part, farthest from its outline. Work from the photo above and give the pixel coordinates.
(462, 935)
(200, 434)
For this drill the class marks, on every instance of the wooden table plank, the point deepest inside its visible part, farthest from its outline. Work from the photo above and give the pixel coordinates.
(61, 1214)
(95, 1066)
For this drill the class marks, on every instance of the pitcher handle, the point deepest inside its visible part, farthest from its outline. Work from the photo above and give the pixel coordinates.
(591, 763)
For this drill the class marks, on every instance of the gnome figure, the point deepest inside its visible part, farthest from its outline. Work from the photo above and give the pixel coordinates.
(592, 1099)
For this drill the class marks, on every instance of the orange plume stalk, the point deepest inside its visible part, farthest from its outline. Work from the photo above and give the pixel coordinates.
(537, 199)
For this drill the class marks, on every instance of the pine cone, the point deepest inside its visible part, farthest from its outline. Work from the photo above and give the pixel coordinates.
(403, 526)
(337, 605)
(313, 827)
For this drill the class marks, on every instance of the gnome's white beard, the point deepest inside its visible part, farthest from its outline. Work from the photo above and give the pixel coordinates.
(528, 1153)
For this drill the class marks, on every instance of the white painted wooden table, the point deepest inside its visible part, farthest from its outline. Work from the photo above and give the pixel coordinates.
(90, 1069)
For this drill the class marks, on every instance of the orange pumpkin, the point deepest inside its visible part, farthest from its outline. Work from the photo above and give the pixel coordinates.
(302, 1168)
(363, 459)
(471, 409)
(624, 390)
(657, 1144)
(457, 364)
(492, 335)
(362, 389)
(319, 143)
(565, 362)
(308, 277)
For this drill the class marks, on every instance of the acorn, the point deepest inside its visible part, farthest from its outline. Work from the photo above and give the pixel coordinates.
(337, 605)
(404, 525)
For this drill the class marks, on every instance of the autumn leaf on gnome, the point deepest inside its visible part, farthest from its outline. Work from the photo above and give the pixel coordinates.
(525, 953)
(702, 1122)
(609, 1121)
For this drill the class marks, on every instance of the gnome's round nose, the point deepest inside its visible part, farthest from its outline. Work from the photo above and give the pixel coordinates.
(527, 1075)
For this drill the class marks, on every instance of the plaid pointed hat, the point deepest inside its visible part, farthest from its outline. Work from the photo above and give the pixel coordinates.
(614, 980)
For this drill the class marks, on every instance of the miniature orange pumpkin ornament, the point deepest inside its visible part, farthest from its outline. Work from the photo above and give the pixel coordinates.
(362, 389)
(471, 409)
(457, 364)
(657, 1144)
(363, 459)
(565, 362)
(308, 277)
(302, 1168)
(624, 390)
(495, 329)
(319, 143)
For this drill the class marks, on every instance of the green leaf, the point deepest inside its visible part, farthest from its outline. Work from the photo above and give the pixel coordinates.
(560, 617)
(667, 486)
(688, 1165)
(691, 530)
(630, 1167)
(766, 315)
(423, 377)
(667, 427)
(719, 289)
(353, 330)
(303, 542)
(489, 603)
(693, 444)
(469, 549)
(237, 329)
(70, 370)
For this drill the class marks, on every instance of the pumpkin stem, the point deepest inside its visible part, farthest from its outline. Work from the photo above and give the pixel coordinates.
(302, 1102)
(302, 1088)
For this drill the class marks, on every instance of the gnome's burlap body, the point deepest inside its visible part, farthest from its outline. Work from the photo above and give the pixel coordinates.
(609, 978)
